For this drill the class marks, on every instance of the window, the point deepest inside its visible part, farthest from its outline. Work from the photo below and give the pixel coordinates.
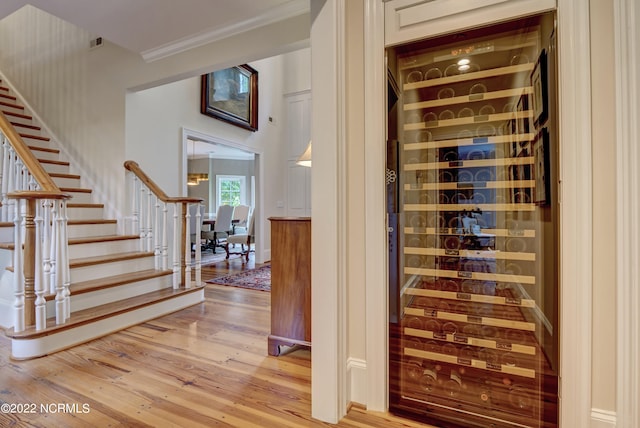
(231, 189)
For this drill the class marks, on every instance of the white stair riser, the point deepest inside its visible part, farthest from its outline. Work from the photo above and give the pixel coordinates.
(91, 230)
(113, 294)
(87, 273)
(30, 348)
(53, 168)
(80, 197)
(84, 213)
(103, 248)
(66, 182)
(41, 154)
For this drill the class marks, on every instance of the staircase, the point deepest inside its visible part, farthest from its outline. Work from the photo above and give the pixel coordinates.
(114, 281)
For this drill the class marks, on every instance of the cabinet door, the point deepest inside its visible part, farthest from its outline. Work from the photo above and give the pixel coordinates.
(476, 337)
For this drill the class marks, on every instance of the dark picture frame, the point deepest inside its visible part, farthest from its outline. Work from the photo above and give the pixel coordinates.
(541, 170)
(231, 95)
(540, 99)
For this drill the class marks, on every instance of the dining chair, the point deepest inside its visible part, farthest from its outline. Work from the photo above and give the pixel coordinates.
(243, 239)
(240, 217)
(222, 228)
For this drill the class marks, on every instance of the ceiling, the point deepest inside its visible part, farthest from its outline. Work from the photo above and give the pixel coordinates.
(159, 28)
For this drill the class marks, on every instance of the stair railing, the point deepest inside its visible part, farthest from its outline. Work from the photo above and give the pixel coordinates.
(150, 213)
(38, 210)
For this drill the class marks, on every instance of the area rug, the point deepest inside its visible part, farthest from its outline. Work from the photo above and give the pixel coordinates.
(255, 279)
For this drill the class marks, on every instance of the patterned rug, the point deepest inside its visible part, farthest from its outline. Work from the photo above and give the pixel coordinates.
(255, 279)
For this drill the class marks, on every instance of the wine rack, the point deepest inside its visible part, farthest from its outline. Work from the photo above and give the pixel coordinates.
(469, 335)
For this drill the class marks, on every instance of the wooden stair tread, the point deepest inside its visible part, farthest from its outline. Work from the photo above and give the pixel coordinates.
(7, 246)
(44, 149)
(54, 162)
(88, 261)
(6, 224)
(87, 205)
(4, 88)
(9, 97)
(34, 137)
(92, 221)
(75, 189)
(89, 240)
(12, 105)
(61, 175)
(101, 312)
(20, 115)
(25, 125)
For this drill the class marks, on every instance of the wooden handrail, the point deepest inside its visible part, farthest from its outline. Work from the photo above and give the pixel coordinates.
(37, 171)
(155, 189)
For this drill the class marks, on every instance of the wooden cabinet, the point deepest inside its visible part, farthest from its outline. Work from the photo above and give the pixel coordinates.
(290, 282)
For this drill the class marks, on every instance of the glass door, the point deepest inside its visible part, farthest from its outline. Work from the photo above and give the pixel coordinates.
(473, 313)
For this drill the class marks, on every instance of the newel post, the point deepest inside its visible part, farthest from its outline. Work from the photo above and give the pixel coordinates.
(29, 264)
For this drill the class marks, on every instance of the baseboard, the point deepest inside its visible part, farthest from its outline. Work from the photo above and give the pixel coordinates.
(603, 418)
(357, 378)
(31, 348)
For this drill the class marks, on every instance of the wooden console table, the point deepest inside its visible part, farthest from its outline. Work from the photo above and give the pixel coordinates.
(290, 282)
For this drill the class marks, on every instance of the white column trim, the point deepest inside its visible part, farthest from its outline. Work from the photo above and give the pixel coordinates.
(576, 206)
(375, 219)
(329, 384)
(627, 39)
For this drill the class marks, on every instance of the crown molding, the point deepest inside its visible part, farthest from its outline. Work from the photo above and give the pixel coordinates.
(288, 10)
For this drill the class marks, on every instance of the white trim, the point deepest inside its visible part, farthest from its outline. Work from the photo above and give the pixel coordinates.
(576, 209)
(328, 190)
(376, 283)
(261, 245)
(603, 419)
(627, 38)
(357, 375)
(409, 20)
(287, 10)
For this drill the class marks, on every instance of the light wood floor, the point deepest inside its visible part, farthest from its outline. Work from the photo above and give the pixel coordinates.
(204, 366)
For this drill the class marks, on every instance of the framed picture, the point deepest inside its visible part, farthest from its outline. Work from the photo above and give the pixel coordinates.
(541, 194)
(232, 95)
(540, 90)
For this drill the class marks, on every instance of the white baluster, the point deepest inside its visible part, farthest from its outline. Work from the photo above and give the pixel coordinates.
(156, 238)
(64, 261)
(4, 162)
(39, 284)
(135, 204)
(198, 246)
(165, 247)
(176, 249)
(18, 275)
(187, 248)
(11, 177)
(54, 286)
(143, 192)
(149, 241)
(58, 268)
(46, 245)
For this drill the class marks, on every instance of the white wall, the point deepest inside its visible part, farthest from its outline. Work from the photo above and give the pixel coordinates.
(80, 94)
(155, 118)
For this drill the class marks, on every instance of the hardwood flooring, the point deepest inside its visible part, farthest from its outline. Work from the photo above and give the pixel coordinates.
(204, 366)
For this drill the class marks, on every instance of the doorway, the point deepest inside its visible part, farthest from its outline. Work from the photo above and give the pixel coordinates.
(198, 144)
